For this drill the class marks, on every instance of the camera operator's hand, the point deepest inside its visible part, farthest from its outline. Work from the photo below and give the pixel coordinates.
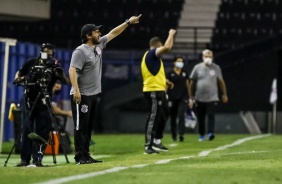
(76, 96)
(59, 72)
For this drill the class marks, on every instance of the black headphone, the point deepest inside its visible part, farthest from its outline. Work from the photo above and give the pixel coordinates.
(48, 46)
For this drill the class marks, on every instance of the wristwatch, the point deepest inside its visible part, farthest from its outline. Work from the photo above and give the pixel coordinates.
(127, 21)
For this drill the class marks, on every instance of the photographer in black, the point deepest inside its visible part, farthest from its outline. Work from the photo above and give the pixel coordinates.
(39, 76)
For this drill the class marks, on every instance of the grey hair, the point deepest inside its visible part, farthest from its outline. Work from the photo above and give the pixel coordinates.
(207, 51)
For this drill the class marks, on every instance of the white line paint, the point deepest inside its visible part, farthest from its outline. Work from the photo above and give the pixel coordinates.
(117, 169)
(240, 141)
(164, 161)
(173, 145)
(139, 165)
(83, 176)
(187, 157)
(241, 153)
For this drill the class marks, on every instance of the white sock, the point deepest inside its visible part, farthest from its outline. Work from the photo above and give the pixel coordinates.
(157, 141)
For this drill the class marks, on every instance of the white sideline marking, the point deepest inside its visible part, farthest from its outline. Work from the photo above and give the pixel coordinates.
(240, 141)
(186, 157)
(116, 169)
(83, 176)
(173, 145)
(139, 165)
(164, 161)
(241, 153)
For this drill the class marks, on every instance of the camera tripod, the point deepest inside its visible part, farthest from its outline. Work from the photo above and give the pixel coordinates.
(44, 96)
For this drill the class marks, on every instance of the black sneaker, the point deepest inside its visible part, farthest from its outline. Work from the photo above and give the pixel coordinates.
(37, 163)
(150, 151)
(160, 147)
(174, 138)
(23, 164)
(211, 136)
(81, 161)
(92, 160)
(181, 138)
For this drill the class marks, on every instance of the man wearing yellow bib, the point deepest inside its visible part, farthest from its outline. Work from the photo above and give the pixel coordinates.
(154, 89)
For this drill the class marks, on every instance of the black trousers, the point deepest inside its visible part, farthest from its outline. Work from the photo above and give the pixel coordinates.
(39, 122)
(86, 115)
(177, 110)
(206, 110)
(158, 115)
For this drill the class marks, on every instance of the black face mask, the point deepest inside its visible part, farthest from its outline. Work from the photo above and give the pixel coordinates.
(56, 92)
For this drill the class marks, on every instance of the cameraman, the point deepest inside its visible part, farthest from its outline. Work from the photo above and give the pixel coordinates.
(39, 76)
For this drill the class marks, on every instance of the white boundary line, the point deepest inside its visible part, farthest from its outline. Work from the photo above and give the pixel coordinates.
(116, 169)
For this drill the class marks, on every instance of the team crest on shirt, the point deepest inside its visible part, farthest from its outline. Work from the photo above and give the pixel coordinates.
(84, 108)
(98, 50)
(184, 74)
(212, 72)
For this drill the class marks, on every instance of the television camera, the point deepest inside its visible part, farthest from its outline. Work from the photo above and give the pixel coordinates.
(43, 72)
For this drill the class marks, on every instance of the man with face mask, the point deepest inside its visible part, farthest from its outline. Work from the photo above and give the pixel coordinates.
(203, 89)
(178, 98)
(35, 114)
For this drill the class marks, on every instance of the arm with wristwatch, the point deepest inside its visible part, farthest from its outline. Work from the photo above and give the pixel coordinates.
(119, 29)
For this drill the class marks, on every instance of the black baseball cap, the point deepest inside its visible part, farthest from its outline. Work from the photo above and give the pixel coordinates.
(46, 45)
(87, 28)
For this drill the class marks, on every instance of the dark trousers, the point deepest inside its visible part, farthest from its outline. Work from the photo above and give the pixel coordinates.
(158, 115)
(39, 122)
(86, 113)
(203, 110)
(177, 110)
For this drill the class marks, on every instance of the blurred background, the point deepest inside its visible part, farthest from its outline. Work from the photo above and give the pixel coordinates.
(245, 36)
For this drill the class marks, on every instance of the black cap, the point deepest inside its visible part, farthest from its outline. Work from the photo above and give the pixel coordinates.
(87, 28)
(47, 45)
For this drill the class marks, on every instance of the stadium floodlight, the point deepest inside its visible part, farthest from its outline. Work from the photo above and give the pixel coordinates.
(8, 42)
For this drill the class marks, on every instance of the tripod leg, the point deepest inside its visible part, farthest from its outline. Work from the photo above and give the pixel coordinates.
(15, 143)
(52, 147)
(40, 154)
(10, 154)
(63, 146)
(19, 136)
(48, 104)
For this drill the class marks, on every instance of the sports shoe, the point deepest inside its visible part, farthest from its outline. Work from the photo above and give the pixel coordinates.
(23, 164)
(174, 137)
(211, 136)
(159, 147)
(181, 138)
(92, 160)
(202, 138)
(150, 151)
(37, 163)
(81, 161)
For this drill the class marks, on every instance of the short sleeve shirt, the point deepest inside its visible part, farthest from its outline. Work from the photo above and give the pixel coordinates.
(88, 63)
(206, 81)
